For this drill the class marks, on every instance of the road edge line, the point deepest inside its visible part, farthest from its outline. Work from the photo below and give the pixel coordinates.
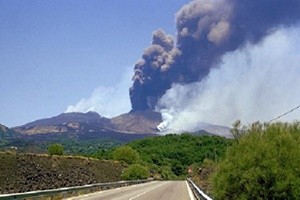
(192, 197)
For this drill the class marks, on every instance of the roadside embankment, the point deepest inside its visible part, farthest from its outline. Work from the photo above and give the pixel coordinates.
(30, 172)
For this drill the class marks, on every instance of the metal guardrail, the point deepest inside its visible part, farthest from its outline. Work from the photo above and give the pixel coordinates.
(69, 192)
(199, 194)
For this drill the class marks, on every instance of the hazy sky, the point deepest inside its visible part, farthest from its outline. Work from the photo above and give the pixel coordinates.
(55, 53)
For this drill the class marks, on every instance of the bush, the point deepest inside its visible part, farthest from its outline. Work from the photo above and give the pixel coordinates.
(166, 173)
(262, 164)
(135, 172)
(126, 154)
(56, 149)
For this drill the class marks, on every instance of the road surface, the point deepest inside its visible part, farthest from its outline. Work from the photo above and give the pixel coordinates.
(155, 190)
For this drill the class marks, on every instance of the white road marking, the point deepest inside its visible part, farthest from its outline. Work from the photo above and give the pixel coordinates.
(147, 191)
(105, 191)
(190, 191)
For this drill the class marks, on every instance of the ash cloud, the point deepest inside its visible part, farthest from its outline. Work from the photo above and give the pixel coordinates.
(206, 31)
(152, 73)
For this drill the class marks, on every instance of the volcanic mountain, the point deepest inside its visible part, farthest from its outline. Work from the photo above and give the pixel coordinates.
(92, 125)
(84, 131)
(143, 122)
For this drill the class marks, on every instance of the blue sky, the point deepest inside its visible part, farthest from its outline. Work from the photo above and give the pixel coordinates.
(54, 53)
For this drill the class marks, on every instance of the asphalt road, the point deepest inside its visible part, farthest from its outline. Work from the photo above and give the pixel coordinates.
(156, 190)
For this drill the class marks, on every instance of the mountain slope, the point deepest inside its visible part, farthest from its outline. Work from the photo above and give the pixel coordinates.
(82, 133)
(91, 126)
(138, 122)
(66, 118)
(67, 123)
(7, 133)
(215, 129)
(144, 122)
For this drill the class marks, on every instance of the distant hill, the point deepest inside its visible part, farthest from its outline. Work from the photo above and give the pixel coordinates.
(138, 122)
(204, 129)
(144, 122)
(215, 129)
(7, 133)
(66, 118)
(67, 123)
(83, 133)
(3, 128)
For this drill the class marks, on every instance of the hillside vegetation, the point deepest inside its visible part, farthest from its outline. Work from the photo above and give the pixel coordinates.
(7, 135)
(169, 156)
(72, 145)
(263, 163)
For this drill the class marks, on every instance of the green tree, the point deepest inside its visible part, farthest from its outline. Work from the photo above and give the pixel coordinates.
(135, 172)
(177, 168)
(263, 164)
(56, 149)
(126, 154)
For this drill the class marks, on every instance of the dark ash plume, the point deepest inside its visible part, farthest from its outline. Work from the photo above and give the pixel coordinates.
(206, 30)
(152, 73)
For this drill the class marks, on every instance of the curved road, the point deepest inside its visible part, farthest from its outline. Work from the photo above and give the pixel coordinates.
(155, 190)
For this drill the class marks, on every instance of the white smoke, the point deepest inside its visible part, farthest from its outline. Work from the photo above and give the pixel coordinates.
(257, 83)
(107, 101)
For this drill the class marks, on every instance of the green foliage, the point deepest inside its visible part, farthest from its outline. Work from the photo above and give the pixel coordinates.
(135, 172)
(56, 149)
(126, 154)
(89, 148)
(263, 164)
(237, 130)
(177, 168)
(7, 136)
(72, 145)
(166, 173)
(170, 155)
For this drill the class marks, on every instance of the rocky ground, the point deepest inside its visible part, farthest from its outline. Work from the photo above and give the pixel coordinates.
(29, 172)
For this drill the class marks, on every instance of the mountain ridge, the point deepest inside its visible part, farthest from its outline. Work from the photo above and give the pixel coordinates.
(143, 122)
(137, 122)
(65, 118)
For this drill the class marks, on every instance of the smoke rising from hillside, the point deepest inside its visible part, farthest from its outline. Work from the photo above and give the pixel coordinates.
(256, 83)
(107, 101)
(206, 31)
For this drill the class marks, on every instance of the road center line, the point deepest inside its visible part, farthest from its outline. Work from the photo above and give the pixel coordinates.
(190, 191)
(147, 191)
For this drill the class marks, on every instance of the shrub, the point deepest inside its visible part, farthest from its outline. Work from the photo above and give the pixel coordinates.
(56, 149)
(263, 164)
(135, 172)
(126, 154)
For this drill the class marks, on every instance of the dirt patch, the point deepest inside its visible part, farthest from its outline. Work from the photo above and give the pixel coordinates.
(28, 172)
